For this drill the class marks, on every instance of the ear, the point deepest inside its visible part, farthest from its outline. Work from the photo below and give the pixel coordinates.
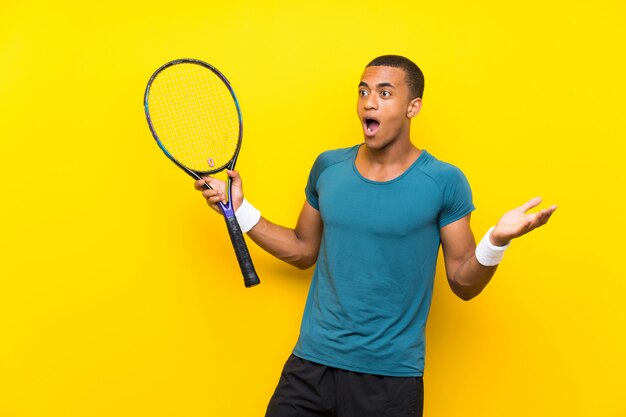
(414, 108)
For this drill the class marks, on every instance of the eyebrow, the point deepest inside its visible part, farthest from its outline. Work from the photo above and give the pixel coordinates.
(379, 85)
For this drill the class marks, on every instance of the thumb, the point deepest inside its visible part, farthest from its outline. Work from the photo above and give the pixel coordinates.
(534, 202)
(237, 188)
(235, 177)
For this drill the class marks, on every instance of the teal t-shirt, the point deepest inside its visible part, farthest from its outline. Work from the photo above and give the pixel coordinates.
(371, 290)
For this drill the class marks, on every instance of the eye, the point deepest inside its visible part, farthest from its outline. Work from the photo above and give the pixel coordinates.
(363, 92)
(385, 93)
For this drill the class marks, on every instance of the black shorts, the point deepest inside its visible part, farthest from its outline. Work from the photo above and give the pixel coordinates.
(308, 389)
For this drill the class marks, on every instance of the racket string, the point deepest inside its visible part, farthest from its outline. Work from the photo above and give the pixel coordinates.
(195, 116)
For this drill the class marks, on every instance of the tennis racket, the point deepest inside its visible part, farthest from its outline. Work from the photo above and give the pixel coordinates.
(195, 118)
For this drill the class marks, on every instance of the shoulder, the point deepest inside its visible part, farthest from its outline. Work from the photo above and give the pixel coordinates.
(324, 161)
(443, 173)
(333, 157)
(456, 193)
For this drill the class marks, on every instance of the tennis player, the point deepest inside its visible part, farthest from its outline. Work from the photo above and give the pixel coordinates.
(374, 217)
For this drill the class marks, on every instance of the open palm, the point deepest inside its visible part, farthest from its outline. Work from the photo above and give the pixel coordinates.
(517, 222)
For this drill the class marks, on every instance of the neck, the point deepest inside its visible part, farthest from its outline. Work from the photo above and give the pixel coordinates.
(386, 163)
(398, 153)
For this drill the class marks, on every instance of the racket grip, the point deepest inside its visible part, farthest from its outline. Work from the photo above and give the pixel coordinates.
(250, 278)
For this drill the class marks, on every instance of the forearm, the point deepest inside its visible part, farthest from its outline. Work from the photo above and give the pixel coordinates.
(469, 267)
(284, 243)
(470, 278)
(298, 246)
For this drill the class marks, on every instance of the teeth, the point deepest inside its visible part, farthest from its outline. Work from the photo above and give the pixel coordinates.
(369, 123)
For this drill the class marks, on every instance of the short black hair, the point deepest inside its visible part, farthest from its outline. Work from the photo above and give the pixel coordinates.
(414, 75)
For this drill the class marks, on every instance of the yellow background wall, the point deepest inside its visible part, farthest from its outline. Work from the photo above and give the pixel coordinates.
(113, 300)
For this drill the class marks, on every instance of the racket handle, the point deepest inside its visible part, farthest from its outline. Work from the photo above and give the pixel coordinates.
(250, 278)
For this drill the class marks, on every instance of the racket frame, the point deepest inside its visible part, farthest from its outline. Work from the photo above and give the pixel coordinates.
(241, 250)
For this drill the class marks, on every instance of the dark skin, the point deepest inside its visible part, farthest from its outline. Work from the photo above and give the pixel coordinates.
(385, 109)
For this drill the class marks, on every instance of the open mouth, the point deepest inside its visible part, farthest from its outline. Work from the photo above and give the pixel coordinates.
(371, 126)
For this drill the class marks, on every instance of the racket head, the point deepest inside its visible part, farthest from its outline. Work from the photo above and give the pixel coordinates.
(194, 116)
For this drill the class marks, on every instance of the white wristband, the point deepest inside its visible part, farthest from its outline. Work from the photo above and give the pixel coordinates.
(247, 216)
(487, 253)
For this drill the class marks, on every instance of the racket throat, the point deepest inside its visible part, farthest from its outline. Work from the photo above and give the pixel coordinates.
(227, 210)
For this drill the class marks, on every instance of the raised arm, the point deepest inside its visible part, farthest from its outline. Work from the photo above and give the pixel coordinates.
(466, 275)
(297, 246)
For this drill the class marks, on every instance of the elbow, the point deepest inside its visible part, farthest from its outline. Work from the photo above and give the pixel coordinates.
(304, 262)
(304, 257)
(301, 260)
(296, 252)
(303, 266)
(465, 293)
(465, 296)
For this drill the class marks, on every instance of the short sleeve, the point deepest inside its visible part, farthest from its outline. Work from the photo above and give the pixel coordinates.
(457, 197)
(310, 190)
(323, 161)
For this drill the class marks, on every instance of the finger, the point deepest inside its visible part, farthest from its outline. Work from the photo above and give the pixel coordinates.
(543, 216)
(534, 202)
(547, 217)
(210, 193)
(530, 223)
(200, 185)
(212, 182)
(540, 219)
(213, 196)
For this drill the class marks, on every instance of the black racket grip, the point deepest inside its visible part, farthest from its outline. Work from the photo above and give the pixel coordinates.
(250, 278)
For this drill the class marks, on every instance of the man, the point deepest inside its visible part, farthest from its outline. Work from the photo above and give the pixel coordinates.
(374, 217)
